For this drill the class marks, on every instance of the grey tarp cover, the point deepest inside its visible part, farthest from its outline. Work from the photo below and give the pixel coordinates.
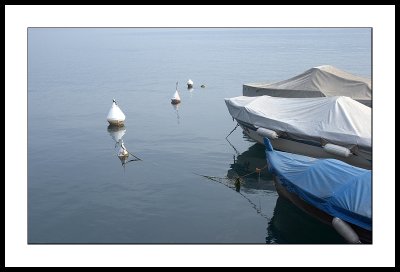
(319, 81)
(339, 120)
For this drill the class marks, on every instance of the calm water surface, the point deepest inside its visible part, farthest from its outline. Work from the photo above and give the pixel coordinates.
(78, 189)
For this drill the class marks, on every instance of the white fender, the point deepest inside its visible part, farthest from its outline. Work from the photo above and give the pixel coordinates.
(337, 150)
(345, 230)
(265, 132)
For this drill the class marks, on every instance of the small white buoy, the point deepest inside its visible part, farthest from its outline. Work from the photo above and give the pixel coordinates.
(123, 154)
(176, 99)
(122, 151)
(115, 116)
(190, 84)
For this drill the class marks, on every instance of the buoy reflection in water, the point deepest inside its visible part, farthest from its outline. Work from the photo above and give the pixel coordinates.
(176, 108)
(117, 134)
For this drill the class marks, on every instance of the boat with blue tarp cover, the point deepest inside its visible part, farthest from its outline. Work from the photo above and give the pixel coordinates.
(333, 191)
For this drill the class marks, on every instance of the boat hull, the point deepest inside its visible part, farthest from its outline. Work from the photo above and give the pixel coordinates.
(364, 235)
(292, 146)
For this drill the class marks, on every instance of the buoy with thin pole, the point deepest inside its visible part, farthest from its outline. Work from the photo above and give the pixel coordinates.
(190, 84)
(176, 99)
(115, 116)
(122, 153)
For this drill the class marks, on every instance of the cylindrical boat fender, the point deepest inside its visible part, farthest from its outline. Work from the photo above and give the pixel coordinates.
(345, 230)
(265, 132)
(337, 150)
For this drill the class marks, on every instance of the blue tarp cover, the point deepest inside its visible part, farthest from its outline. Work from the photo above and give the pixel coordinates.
(335, 187)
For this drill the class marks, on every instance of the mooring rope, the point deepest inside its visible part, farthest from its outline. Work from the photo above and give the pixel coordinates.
(237, 124)
(213, 178)
(134, 155)
(258, 170)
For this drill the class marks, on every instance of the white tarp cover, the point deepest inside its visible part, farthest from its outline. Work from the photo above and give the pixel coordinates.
(319, 81)
(339, 120)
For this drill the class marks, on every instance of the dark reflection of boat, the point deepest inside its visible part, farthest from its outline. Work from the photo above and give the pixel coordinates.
(117, 133)
(245, 165)
(290, 225)
(254, 187)
(251, 185)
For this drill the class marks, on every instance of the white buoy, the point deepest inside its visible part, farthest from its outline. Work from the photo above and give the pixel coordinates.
(122, 151)
(176, 99)
(123, 154)
(115, 116)
(190, 84)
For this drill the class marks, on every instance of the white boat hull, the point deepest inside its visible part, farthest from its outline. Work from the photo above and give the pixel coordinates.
(296, 147)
